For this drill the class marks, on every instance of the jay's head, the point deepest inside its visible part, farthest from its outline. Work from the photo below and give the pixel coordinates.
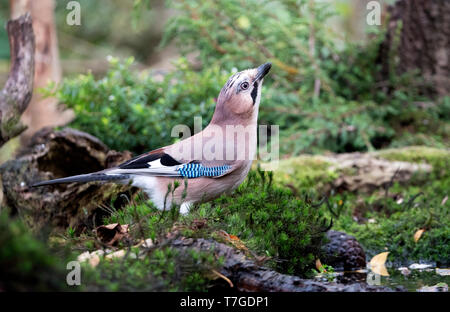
(240, 96)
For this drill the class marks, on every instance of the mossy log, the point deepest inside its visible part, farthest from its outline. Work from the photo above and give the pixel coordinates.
(55, 154)
(16, 94)
(354, 172)
(246, 275)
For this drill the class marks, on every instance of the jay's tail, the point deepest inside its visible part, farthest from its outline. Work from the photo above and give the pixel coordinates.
(85, 178)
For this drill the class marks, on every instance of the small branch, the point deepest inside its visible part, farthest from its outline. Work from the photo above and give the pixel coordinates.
(16, 95)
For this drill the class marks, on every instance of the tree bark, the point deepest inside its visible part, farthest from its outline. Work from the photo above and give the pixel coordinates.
(55, 154)
(42, 112)
(419, 37)
(16, 95)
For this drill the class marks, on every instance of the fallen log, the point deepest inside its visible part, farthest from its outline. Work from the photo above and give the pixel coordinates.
(54, 154)
(246, 275)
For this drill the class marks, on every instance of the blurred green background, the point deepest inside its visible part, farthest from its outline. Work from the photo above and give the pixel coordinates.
(145, 59)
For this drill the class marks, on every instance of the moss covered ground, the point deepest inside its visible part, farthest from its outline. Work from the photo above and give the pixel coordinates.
(387, 218)
(278, 219)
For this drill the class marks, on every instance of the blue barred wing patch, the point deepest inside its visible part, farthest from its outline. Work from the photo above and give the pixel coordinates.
(198, 170)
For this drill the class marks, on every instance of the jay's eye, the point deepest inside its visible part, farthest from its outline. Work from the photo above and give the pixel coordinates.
(245, 85)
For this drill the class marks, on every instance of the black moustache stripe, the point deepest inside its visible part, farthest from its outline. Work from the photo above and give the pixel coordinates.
(254, 92)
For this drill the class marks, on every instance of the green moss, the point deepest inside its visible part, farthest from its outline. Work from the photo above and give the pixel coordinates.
(397, 216)
(396, 235)
(26, 264)
(164, 269)
(305, 173)
(407, 208)
(438, 158)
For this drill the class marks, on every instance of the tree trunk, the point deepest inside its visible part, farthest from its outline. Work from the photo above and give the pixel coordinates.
(16, 95)
(42, 112)
(419, 35)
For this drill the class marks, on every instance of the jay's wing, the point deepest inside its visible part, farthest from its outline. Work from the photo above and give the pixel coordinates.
(162, 164)
(156, 163)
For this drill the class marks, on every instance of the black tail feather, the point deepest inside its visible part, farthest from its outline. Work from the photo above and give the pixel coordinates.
(85, 178)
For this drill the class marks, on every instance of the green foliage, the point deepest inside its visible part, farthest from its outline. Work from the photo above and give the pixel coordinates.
(354, 109)
(163, 269)
(107, 26)
(327, 272)
(325, 92)
(26, 264)
(4, 42)
(137, 112)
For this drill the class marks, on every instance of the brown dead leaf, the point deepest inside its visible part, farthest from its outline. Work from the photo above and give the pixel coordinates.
(198, 224)
(319, 266)
(237, 242)
(111, 234)
(376, 264)
(418, 234)
(234, 240)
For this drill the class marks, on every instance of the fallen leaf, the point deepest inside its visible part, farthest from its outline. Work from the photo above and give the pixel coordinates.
(419, 266)
(233, 237)
(418, 234)
(319, 266)
(111, 234)
(198, 224)
(439, 287)
(377, 264)
(234, 240)
(443, 272)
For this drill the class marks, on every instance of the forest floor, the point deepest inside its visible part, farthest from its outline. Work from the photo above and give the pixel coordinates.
(391, 201)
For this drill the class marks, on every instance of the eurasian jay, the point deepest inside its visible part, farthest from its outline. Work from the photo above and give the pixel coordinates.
(214, 161)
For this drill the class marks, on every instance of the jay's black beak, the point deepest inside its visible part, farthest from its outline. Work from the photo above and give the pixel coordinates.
(262, 71)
